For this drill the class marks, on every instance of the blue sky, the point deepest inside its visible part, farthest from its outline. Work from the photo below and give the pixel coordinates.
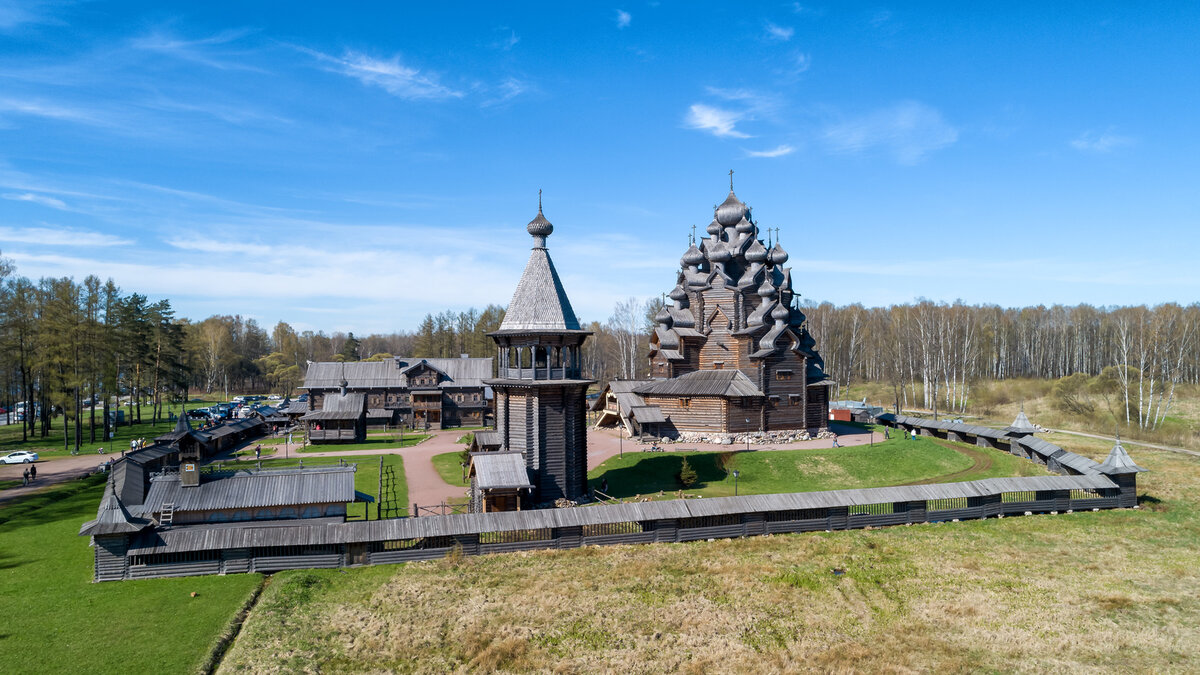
(355, 167)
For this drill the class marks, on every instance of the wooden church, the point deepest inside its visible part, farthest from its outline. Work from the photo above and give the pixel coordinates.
(732, 352)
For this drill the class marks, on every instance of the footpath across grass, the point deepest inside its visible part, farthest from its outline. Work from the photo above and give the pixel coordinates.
(57, 621)
(892, 462)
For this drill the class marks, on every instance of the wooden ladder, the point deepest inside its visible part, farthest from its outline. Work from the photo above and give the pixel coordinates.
(168, 514)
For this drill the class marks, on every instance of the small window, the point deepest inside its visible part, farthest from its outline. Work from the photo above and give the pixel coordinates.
(794, 399)
(718, 365)
(783, 374)
(774, 400)
(685, 403)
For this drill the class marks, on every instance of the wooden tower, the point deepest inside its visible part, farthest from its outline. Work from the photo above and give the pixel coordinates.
(539, 391)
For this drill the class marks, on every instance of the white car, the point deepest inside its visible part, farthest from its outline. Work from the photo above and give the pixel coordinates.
(274, 397)
(20, 457)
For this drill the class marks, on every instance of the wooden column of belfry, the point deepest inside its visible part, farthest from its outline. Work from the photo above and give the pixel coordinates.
(540, 393)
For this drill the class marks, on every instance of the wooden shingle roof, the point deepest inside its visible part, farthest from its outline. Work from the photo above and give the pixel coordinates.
(253, 489)
(703, 383)
(540, 303)
(494, 470)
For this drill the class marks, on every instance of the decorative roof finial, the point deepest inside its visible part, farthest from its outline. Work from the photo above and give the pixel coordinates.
(539, 200)
(731, 180)
(692, 237)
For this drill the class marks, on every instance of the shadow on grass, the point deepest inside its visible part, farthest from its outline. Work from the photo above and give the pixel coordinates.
(57, 504)
(659, 473)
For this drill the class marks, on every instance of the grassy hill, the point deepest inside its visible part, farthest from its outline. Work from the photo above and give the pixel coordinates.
(1085, 591)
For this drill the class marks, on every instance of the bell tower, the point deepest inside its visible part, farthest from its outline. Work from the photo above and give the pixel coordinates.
(540, 392)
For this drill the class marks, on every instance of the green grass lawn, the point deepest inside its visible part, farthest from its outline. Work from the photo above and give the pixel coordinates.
(366, 478)
(449, 467)
(893, 462)
(57, 621)
(410, 439)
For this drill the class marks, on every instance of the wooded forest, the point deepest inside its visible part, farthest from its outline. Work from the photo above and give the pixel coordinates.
(64, 344)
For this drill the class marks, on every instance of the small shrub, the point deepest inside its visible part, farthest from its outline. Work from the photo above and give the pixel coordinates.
(725, 461)
(687, 475)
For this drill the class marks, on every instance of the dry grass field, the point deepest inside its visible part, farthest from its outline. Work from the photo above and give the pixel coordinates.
(1086, 592)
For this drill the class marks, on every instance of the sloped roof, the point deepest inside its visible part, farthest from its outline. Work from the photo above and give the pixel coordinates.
(485, 439)
(494, 470)
(340, 406)
(648, 414)
(703, 383)
(1119, 462)
(253, 489)
(112, 518)
(540, 303)
(391, 373)
(1021, 425)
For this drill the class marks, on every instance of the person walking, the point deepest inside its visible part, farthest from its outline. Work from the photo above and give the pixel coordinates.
(258, 452)
(25, 478)
(32, 472)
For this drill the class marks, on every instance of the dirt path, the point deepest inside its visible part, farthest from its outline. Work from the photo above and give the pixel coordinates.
(49, 472)
(1126, 441)
(982, 462)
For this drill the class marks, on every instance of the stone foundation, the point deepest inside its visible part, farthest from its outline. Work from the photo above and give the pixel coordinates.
(755, 438)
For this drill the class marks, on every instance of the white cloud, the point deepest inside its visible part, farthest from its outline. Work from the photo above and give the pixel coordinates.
(59, 236)
(716, 121)
(1100, 143)
(36, 199)
(51, 111)
(781, 33)
(908, 130)
(506, 42)
(199, 50)
(778, 151)
(623, 18)
(389, 74)
(507, 90)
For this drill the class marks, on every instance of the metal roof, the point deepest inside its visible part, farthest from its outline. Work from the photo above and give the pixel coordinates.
(253, 489)
(493, 470)
(1021, 424)
(703, 383)
(250, 535)
(539, 303)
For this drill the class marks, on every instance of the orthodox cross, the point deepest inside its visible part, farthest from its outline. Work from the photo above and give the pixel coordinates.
(777, 235)
(539, 200)
(731, 180)
(692, 239)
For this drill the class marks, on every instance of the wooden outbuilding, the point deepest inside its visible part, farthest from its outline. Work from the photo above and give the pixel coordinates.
(499, 481)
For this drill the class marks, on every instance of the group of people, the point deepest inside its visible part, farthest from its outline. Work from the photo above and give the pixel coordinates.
(29, 475)
(136, 444)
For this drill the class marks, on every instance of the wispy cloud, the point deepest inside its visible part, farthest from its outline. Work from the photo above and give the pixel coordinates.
(59, 236)
(716, 121)
(801, 62)
(778, 151)
(36, 199)
(623, 18)
(506, 41)
(507, 90)
(390, 75)
(203, 50)
(781, 33)
(908, 130)
(54, 111)
(1101, 142)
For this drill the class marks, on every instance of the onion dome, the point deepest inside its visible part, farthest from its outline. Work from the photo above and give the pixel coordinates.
(714, 228)
(539, 226)
(718, 252)
(778, 256)
(663, 315)
(730, 211)
(678, 294)
(756, 252)
(744, 226)
(692, 257)
(766, 290)
(780, 313)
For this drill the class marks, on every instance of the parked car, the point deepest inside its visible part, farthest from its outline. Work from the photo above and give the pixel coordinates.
(19, 457)
(199, 414)
(274, 397)
(239, 399)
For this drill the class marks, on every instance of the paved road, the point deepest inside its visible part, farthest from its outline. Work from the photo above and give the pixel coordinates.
(1126, 441)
